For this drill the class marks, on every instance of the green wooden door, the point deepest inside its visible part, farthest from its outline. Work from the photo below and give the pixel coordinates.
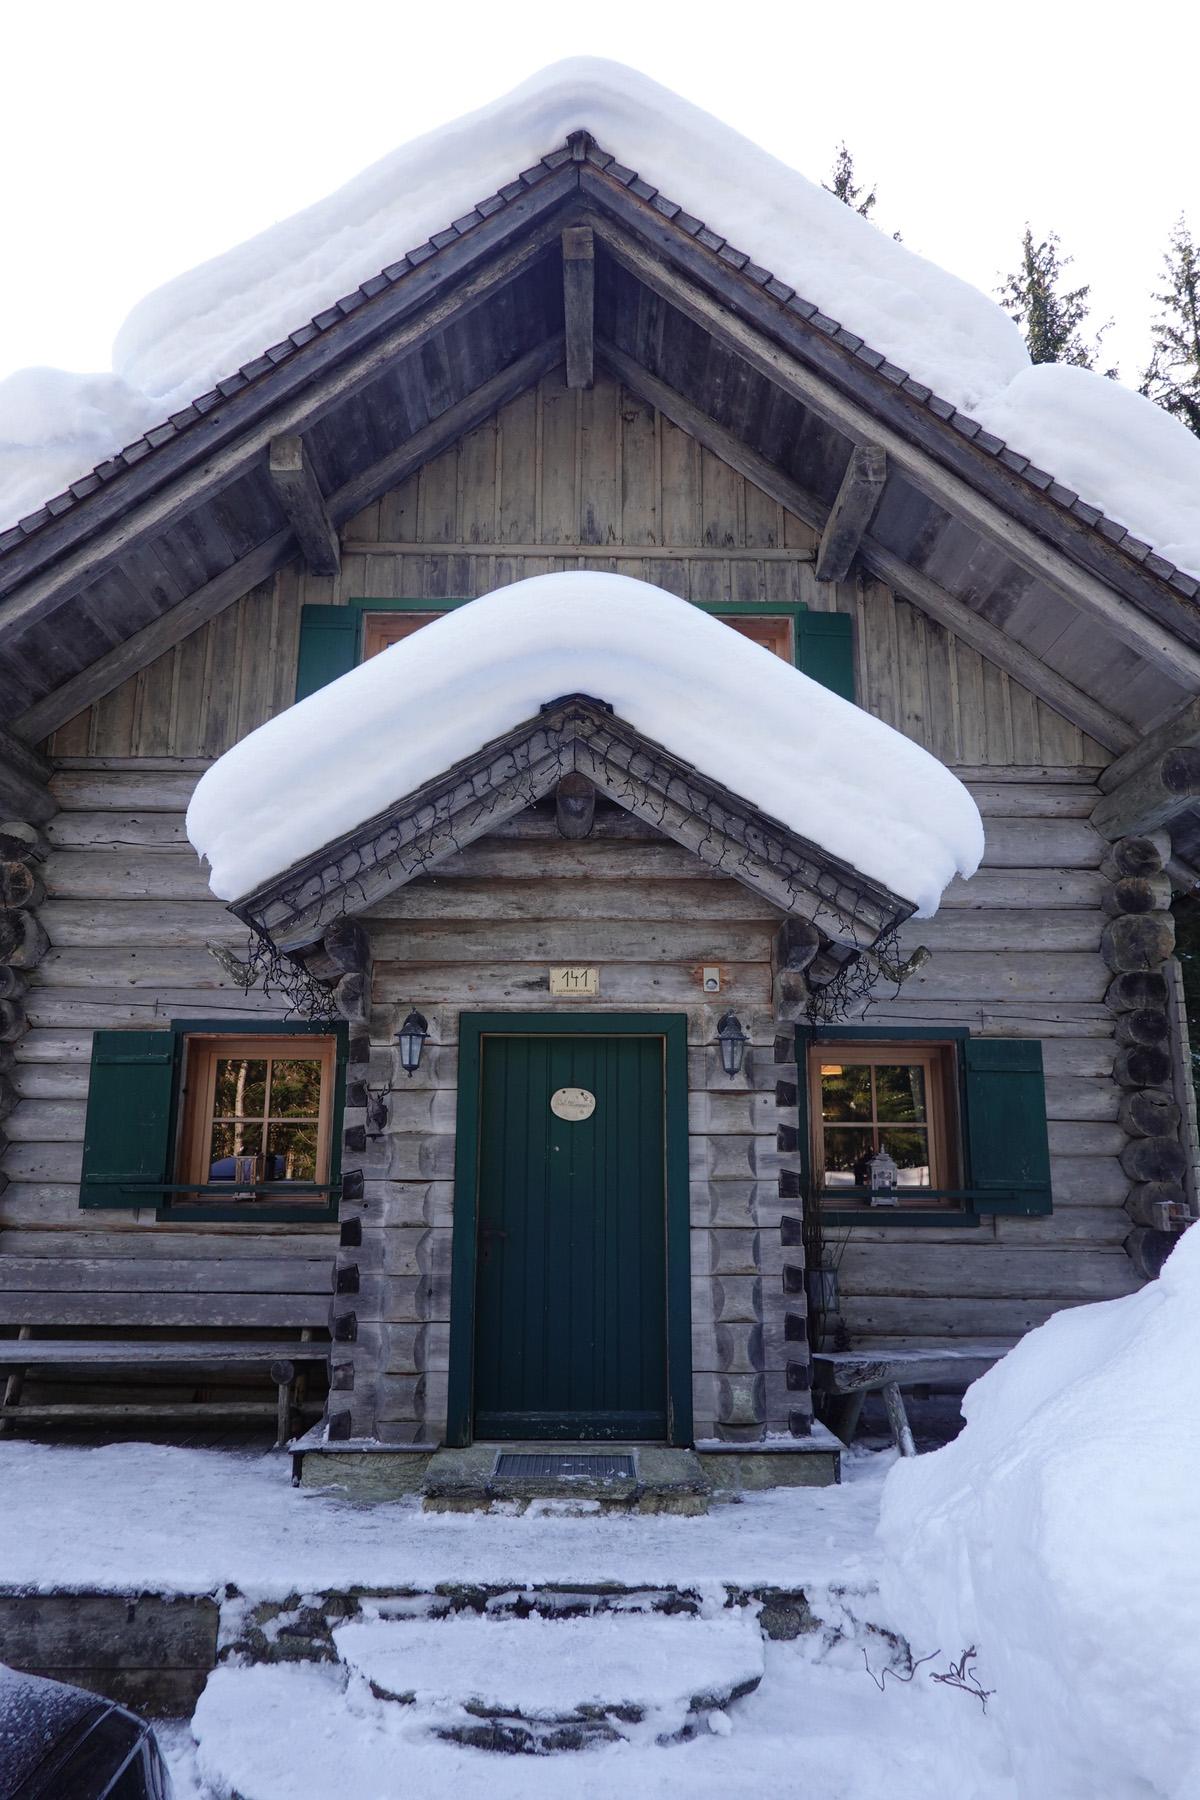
(571, 1268)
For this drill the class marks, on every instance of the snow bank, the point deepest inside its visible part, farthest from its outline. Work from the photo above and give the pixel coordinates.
(1060, 1534)
(55, 427)
(712, 697)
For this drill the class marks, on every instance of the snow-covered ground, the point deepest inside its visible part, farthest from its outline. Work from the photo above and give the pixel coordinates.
(807, 757)
(1118, 450)
(148, 1516)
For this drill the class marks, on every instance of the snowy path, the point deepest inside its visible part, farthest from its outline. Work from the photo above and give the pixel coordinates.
(151, 1517)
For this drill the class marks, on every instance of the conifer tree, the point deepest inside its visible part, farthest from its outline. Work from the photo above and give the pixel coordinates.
(1173, 377)
(1051, 321)
(843, 186)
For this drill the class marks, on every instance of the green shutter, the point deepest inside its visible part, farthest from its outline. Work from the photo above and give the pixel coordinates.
(328, 646)
(127, 1137)
(1007, 1141)
(825, 650)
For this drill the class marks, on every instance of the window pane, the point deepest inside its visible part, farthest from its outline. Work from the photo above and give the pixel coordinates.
(230, 1140)
(846, 1094)
(900, 1091)
(241, 1088)
(292, 1153)
(844, 1146)
(909, 1150)
(295, 1088)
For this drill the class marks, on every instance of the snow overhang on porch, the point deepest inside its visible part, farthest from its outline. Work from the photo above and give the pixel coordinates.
(759, 771)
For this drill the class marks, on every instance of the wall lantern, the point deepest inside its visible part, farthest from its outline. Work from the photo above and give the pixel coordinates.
(411, 1039)
(732, 1040)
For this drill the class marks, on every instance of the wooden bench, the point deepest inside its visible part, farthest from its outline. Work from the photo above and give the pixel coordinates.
(42, 1295)
(843, 1378)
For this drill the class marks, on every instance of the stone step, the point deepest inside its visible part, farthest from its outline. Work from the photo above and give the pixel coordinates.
(537, 1685)
(643, 1478)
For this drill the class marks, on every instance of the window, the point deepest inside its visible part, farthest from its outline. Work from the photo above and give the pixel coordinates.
(334, 639)
(871, 1097)
(962, 1117)
(201, 1122)
(256, 1112)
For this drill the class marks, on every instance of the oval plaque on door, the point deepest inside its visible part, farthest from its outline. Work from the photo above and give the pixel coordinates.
(572, 1103)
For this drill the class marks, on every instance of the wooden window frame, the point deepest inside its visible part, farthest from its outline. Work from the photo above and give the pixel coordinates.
(788, 610)
(199, 1043)
(946, 1105)
(938, 1062)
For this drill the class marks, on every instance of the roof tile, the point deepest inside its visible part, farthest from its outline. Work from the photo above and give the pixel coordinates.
(709, 239)
(81, 489)
(970, 428)
(1187, 584)
(1064, 495)
(825, 324)
(1111, 530)
(440, 239)
(850, 340)
(304, 334)
(779, 290)
(872, 358)
(1158, 565)
(668, 208)
(688, 222)
(601, 158)
(642, 189)
(33, 521)
(1134, 547)
(941, 407)
(61, 503)
(9, 538)
(805, 308)
(322, 321)
(395, 271)
(160, 434)
(510, 190)
(557, 158)
(993, 445)
(190, 413)
(487, 207)
(423, 252)
(527, 177)
(251, 371)
(376, 285)
(918, 390)
(620, 173)
(1038, 477)
(133, 453)
(728, 254)
(1012, 459)
(1089, 514)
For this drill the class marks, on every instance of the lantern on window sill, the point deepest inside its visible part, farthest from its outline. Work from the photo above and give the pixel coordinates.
(411, 1039)
(880, 1174)
(248, 1173)
(732, 1040)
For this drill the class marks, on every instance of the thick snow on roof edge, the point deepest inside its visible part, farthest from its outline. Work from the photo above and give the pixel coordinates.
(200, 328)
(779, 740)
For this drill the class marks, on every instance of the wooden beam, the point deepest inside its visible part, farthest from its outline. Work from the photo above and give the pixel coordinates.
(1151, 639)
(108, 672)
(1153, 796)
(1180, 728)
(579, 304)
(851, 513)
(980, 633)
(300, 495)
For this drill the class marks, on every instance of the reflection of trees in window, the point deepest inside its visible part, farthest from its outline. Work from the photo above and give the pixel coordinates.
(266, 1106)
(871, 1106)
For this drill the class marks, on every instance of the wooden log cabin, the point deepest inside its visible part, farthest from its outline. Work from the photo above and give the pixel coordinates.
(578, 375)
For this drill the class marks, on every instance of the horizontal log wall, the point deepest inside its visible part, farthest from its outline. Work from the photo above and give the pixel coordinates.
(562, 479)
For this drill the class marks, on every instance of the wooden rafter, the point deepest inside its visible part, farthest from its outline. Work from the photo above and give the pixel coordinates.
(579, 304)
(852, 512)
(295, 482)
(573, 735)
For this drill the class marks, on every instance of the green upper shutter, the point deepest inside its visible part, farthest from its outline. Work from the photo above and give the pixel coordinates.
(1006, 1125)
(127, 1137)
(328, 646)
(825, 650)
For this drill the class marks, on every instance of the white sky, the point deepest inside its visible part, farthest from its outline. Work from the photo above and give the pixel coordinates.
(137, 139)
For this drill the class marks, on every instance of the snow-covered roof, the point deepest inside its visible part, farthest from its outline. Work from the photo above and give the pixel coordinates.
(1108, 450)
(801, 754)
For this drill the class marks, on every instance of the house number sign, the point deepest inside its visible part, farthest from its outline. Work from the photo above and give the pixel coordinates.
(572, 1103)
(578, 982)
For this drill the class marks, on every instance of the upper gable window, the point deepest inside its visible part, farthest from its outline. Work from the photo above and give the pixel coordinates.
(333, 639)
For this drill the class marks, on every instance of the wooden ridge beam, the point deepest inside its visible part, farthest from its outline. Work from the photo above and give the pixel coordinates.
(579, 304)
(980, 633)
(299, 492)
(851, 513)
(1155, 795)
(163, 633)
(1154, 641)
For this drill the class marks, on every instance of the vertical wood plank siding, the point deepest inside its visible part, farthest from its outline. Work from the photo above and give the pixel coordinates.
(575, 472)
(560, 480)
